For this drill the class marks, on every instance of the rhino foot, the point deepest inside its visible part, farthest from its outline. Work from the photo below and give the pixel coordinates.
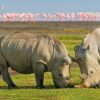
(13, 86)
(57, 87)
(40, 87)
(98, 85)
(70, 86)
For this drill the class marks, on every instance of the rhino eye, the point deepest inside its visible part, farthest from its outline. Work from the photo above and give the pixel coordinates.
(63, 61)
(60, 75)
(91, 72)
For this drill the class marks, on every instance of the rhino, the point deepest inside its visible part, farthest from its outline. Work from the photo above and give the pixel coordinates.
(87, 55)
(31, 53)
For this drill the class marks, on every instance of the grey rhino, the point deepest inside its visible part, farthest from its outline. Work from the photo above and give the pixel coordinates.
(29, 53)
(88, 58)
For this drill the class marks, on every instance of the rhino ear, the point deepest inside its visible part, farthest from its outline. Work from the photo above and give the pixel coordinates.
(76, 48)
(87, 48)
(67, 61)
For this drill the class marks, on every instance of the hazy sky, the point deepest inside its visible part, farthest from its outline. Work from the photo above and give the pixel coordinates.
(50, 5)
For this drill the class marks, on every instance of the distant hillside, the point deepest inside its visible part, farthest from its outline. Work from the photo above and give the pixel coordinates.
(88, 16)
(69, 27)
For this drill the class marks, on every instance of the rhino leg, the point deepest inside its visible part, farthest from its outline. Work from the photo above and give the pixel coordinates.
(39, 75)
(6, 77)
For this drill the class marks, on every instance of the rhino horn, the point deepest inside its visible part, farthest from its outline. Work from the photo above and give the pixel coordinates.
(74, 59)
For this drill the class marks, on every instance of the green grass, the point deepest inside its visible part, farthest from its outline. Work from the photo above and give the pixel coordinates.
(71, 41)
(27, 91)
(26, 83)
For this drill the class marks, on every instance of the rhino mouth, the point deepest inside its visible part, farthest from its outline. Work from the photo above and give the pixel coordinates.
(68, 86)
(56, 85)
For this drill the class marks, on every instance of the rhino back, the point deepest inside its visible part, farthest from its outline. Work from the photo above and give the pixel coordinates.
(93, 41)
(22, 52)
(17, 53)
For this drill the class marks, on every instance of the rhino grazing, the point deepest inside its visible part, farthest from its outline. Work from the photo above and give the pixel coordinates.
(88, 58)
(28, 53)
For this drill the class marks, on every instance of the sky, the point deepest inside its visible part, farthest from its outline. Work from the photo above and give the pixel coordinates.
(50, 6)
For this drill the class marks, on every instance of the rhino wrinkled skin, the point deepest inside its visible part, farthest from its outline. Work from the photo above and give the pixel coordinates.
(29, 53)
(88, 58)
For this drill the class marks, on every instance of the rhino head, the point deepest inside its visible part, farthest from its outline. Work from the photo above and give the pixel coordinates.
(89, 66)
(81, 58)
(61, 72)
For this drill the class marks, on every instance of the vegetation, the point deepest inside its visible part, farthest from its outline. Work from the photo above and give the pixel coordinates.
(27, 90)
(26, 83)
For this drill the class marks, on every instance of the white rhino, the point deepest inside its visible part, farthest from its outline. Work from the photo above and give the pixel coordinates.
(88, 58)
(27, 53)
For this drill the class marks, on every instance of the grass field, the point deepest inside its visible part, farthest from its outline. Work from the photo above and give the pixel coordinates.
(26, 83)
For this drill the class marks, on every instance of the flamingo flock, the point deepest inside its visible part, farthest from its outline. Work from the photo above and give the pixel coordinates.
(88, 16)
